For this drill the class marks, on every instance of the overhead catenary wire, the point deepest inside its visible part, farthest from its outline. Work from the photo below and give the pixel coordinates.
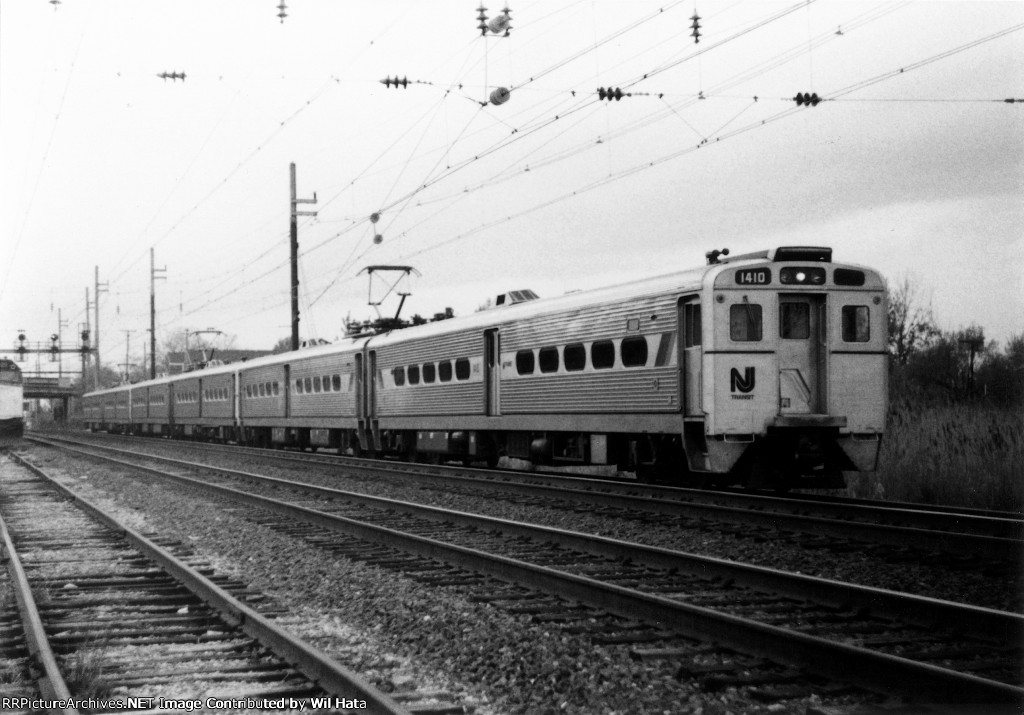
(832, 97)
(345, 231)
(637, 168)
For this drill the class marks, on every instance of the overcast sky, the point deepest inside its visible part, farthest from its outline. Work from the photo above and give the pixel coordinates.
(917, 173)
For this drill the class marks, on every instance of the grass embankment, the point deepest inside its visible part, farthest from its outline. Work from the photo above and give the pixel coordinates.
(961, 455)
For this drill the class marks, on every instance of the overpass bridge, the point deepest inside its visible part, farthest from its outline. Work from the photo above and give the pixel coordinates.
(48, 388)
(58, 390)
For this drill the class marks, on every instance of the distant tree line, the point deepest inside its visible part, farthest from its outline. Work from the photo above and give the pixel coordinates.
(946, 367)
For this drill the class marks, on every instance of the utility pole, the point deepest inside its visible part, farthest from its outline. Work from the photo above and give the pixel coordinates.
(152, 312)
(104, 288)
(61, 324)
(127, 349)
(295, 255)
(85, 337)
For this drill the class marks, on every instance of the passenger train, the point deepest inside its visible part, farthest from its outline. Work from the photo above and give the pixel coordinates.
(766, 369)
(12, 420)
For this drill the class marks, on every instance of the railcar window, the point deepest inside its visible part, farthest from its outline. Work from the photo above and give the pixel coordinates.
(462, 369)
(575, 357)
(429, 372)
(795, 321)
(263, 389)
(634, 351)
(848, 277)
(336, 383)
(444, 371)
(414, 374)
(602, 354)
(316, 383)
(745, 322)
(399, 374)
(307, 383)
(856, 324)
(524, 362)
(277, 387)
(548, 359)
(693, 325)
(298, 386)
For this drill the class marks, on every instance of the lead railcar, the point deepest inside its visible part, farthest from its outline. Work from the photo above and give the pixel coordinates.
(762, 369)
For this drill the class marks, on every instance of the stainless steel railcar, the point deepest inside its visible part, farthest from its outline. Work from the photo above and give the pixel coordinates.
(12, 417)
(762, 369)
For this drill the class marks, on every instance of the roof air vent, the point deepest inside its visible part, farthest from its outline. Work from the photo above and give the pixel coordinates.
(515, 296)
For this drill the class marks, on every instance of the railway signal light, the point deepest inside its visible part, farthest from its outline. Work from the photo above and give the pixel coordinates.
(811, 100)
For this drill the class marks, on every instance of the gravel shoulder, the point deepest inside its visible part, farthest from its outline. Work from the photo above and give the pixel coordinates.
(402, 634)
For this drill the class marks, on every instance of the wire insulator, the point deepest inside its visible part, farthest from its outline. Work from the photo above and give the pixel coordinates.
(611, 93)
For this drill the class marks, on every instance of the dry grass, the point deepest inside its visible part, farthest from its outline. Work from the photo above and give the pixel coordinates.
(963, 455)
(83, 672)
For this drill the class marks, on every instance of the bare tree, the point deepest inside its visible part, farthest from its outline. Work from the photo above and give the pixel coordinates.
(911, 325)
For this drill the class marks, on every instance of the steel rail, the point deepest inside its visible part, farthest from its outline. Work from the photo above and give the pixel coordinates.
(869, 669)
(918, 610)
(925, 516)
(50, 681)
(991, 547)
(319, 667)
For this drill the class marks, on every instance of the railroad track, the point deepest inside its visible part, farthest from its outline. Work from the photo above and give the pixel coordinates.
(997, 538)
(109, 614)
(883, 641)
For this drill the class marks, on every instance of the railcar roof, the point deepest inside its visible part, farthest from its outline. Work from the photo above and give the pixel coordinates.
(687, 280)
(691, 279)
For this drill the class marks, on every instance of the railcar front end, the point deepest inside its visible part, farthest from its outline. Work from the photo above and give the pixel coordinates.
(794, 369)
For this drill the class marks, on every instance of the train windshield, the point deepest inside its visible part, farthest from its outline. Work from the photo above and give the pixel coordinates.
(9, 373)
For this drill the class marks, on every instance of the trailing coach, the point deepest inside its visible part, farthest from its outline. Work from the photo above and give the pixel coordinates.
(765, 369)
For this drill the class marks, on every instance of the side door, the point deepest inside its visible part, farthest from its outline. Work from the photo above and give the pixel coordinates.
(691, 347)
(287, 391)
(492, 371)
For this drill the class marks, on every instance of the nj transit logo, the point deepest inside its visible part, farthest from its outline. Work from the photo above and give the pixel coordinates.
(743, 383)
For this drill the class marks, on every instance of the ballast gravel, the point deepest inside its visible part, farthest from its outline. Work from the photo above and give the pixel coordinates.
(733, 542)
(402, 634)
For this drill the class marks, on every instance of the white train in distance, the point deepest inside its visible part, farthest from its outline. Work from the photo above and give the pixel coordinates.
(12, 419)
(766, 369)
